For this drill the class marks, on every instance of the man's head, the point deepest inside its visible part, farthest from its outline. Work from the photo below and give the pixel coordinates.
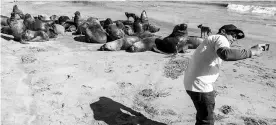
(231, 32)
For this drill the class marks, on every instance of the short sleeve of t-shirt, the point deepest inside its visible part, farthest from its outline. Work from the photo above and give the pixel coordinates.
(220, 42)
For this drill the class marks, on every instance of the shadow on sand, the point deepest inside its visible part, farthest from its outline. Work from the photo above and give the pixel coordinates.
(115, 113)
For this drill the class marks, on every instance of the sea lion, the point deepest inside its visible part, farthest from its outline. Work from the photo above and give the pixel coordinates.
(5, 20)
(82, 27)
(175, 41)
(6, 30)
(146, 44)
(95, 34)
(120, 44)
(35, 36)
(54, 17)
(44, 17)
(128, 30)
(18, 11)
(114, 32)
(193, 42)
(144, 17)
(17, 27)
(58, 29)
(63, 19)
(29, 21)
(151, 28)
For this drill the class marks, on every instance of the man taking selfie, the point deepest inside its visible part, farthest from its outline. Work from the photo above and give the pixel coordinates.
(203, 69)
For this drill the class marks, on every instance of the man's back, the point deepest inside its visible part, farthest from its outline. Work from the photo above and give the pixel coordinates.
(203, 68)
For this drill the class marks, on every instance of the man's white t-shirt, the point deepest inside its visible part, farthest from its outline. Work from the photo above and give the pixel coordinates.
(203, 68)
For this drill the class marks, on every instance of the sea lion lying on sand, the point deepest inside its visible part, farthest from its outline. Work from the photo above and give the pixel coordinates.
(175, 41)
(149, 44)
(95, 34)
(120, 44)
(35, 36)
(114, 32)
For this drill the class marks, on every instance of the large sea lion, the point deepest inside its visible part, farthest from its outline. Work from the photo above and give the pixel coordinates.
(175, 41)
(35, 36)
(114, 32)
(17, 27)
(120, 44)
(95, 34)
(5, 20)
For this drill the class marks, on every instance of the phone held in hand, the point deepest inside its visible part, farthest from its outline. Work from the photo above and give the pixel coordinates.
(264, 46)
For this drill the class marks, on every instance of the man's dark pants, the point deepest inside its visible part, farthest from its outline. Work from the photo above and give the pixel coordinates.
(204, 104)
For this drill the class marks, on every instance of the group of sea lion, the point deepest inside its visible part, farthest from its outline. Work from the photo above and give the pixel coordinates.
(132, 36)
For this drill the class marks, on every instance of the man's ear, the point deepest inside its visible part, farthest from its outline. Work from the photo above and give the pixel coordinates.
(223, 31)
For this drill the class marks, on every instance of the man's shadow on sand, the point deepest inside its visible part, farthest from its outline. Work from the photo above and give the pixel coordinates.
(111, 112)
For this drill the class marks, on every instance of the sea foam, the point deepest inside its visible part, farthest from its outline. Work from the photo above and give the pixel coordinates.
(252, 9)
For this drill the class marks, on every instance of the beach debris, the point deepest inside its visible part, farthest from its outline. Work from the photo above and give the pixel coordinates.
(253, 121)
(37, 49)
(153, 94)
(124, 84)
(226, 109)
(234, 70)
(25, 59)
(175, 68)
(168, 112)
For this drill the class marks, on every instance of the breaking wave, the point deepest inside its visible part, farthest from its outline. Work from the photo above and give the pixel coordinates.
(252, 9)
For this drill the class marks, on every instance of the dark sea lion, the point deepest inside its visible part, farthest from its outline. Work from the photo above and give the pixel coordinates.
(106, 23)
(5, 20)
(144, 17)
(175, 41)
(35, 36)
(6, 30)
(18, 11)
(120, 44)
(77, 19)
(128, 15)
(138, 27)
(29, 21)
(63, 19)
(114, 32)
(17, 27)
(95, 34)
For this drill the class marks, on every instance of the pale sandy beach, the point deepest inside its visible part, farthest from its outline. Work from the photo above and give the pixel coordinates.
(66, 82)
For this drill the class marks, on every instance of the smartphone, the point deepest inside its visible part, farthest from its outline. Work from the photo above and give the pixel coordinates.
(264, 46)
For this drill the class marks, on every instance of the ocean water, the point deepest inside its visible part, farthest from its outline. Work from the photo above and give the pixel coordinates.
(256, 18)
